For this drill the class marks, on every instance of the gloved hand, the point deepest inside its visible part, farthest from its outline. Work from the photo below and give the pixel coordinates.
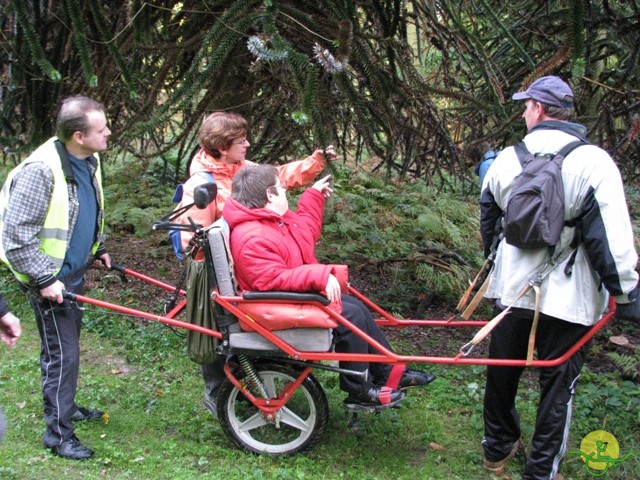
(631, 310)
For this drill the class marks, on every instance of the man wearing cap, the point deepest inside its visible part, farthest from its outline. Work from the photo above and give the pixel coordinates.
(572, 299)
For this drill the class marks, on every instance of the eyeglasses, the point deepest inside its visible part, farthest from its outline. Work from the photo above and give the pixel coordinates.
(278, 186)
(242, 141)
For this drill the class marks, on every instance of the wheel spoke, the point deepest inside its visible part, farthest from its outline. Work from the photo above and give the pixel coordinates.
(256, 420)
(297, 426)
(288, 417)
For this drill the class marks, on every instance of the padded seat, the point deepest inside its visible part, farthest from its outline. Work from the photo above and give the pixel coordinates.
(303, 339)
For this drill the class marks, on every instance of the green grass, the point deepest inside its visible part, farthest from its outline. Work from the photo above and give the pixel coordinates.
(158, 429)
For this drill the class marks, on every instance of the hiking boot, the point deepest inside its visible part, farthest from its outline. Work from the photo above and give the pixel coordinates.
(72, 449)
(376, 396)
(415, 378)
(82, 414)
(497, 467)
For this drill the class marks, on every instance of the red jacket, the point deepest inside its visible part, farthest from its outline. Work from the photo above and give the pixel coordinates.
(274, 252)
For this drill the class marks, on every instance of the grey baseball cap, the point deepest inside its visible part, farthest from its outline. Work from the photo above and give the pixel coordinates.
(550, 90)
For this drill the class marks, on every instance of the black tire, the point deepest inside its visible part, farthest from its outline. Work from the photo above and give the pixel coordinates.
(298, 426)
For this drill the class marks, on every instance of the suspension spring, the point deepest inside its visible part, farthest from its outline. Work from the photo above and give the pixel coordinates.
(251, 377)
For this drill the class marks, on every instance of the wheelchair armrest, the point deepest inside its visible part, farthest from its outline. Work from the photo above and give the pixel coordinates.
(287, 296)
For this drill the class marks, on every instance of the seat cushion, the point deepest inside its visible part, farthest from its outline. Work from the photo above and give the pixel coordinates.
(303, 339)
(284, 316)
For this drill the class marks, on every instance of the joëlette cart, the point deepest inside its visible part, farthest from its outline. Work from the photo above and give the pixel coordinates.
(270, 401)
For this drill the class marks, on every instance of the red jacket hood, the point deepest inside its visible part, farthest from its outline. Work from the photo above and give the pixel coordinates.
(235, 213)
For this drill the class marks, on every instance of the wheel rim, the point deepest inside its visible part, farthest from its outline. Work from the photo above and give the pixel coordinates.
(292, 427)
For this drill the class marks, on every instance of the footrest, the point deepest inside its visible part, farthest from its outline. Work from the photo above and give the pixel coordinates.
(351, 406)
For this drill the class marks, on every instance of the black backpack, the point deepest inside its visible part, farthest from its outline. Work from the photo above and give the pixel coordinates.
(535, 213)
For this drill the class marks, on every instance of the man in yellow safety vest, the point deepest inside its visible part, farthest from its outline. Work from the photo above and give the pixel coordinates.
(51, 227)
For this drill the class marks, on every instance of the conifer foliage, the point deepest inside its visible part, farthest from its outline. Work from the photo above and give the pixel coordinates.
(407, 82)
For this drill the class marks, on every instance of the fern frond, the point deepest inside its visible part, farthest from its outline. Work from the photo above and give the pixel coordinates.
(629, 364)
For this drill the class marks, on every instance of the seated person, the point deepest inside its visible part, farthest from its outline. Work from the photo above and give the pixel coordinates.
(274, 250)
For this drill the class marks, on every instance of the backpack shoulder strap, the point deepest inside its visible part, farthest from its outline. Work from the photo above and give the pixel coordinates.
(521, 152)
(570, 147)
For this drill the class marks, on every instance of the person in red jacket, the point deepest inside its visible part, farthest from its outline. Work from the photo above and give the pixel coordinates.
(274, 249)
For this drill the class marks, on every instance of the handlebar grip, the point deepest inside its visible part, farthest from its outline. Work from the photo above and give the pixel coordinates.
(121, 270)
(68, 295)
(117, 267)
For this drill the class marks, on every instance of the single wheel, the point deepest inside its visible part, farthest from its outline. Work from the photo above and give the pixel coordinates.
(297, 426)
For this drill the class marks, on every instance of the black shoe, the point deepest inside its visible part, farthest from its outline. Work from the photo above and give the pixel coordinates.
(415, 378)
(72, 449)
(82, 414)
(376, 396)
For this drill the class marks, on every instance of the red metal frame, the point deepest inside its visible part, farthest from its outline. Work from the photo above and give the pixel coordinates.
(230, 303)
(269, 407)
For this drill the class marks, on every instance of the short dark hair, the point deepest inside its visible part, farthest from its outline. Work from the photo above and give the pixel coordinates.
(219, 130)
(250, 185)
(561, 113)
(72, 116)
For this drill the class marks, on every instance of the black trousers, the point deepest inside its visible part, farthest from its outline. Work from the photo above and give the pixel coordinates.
(346, 341)
(557, 387)
(213, 376)
(59, 326)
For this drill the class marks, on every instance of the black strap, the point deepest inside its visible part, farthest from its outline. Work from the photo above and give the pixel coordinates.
(578, 236)
(570, 147)
(522, 151)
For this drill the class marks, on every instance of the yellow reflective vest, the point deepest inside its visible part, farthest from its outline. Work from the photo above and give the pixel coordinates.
(57, 229)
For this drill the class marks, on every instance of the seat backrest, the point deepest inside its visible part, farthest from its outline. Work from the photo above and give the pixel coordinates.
(218, 236)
